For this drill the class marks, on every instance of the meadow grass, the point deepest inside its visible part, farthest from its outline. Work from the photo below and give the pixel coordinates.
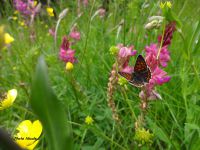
(174, 121)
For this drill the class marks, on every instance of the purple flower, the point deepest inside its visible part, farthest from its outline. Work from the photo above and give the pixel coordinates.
(66, 54)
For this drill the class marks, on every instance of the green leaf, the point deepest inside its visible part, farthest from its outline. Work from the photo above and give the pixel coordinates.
(49, 110)
(158, 131)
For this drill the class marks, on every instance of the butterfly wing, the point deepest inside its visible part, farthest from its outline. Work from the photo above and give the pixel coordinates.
(140, 65)
(127, 76)
(141, 74)
(136, 83)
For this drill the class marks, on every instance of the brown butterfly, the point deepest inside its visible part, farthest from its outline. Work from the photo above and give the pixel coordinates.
(141, 74)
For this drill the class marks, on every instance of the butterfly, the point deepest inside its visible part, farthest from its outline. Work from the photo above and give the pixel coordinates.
(141, 74)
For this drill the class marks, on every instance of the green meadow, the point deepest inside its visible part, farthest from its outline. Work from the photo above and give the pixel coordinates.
(72, 104)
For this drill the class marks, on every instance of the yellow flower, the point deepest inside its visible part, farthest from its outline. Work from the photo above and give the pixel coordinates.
(50, 11)
(8, 39)
(113, 50)
(89, 120)
(9, 99)
(143, 136)
(28, 134)
(69, 66)
(169, 4)
(122, 81)
(165, 4)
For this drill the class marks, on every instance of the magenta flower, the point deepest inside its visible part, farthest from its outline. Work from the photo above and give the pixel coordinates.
(159, 77)
(151, 55)
(124, 56)
(66, 54)
(170, 28)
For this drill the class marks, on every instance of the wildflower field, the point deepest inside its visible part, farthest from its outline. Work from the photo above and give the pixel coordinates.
(99, 74)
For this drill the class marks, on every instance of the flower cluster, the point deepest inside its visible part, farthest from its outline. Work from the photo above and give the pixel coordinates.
(157, 56)
(143, 136)
(66, 53)
(89, 120)
(26, 8)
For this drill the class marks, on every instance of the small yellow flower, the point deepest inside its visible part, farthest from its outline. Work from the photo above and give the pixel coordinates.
(165, 4)
(89, 120)
(69, 66)
(113, 50)
(8, 39)
(122, 81)
(28, 134)
(9, 99)
(50, 11)
(169, 4)
(143, 136)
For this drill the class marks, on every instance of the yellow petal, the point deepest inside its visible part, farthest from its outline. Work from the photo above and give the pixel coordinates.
(69, 66)
(36, 129)
(50, 11)
(10, 98)
(28, 134)
(24, 126)
(8, 39)
(12, 94)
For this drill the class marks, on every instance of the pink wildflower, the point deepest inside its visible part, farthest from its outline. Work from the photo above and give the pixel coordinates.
(124, 56)
(151, 55)
(26, 7)
(74, 34)
(66, 53)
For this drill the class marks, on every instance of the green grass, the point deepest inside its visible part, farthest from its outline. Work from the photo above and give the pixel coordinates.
(174, 121)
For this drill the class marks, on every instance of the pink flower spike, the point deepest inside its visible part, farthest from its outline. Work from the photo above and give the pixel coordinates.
(65, 43)
(66, 54)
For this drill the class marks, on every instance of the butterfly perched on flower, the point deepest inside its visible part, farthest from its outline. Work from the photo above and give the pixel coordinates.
(141, 74)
